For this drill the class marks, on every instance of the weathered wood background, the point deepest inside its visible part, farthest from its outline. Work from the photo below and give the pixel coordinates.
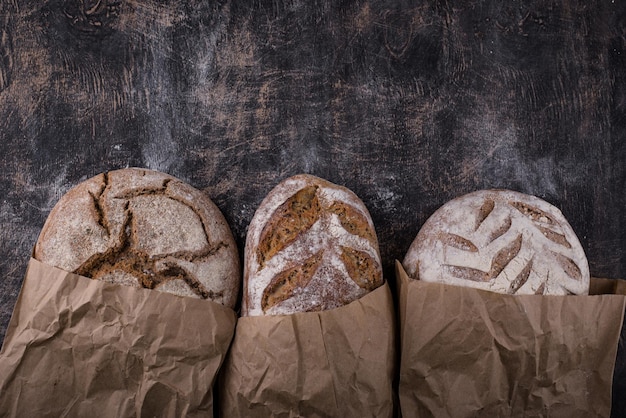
(409, 104)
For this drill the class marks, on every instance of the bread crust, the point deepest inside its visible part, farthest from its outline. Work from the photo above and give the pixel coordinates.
(143, 228)
(311, 246)
(503, 241)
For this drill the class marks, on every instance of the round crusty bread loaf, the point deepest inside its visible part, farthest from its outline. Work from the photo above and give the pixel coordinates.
(503, 241)
(143, 228)
(311, 246)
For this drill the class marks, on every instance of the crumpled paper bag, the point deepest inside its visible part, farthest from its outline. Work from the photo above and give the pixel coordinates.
(334, 363)
(76, 347)
(473, 353)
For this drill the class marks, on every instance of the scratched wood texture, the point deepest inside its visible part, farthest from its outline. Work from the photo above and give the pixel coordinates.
(409, 104)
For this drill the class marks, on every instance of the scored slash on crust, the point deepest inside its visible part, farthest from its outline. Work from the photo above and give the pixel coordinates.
(284, 284)
(538, 219)
(294, 218)
(499, 263)
(484, 211)
(533, 213)
(353, 221)
(283, 228)
(360, 266)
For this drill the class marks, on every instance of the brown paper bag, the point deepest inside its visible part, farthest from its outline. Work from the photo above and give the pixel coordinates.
(335, 363)
(473, 353)
(78, 347)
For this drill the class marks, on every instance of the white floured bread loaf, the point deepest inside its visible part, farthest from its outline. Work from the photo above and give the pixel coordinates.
(503, 241)
(143, 228)
(311, 246)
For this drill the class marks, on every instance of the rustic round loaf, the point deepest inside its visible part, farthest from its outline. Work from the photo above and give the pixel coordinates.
(503, 241)
(143, 228)
(311, 246)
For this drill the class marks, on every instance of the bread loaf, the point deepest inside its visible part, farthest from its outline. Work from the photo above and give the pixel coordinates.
(503, 241)
(143, 228)
(311, 246)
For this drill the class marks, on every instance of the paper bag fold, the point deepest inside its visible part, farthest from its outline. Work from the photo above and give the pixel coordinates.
(76, 346)
(335, 363)
(473, 353)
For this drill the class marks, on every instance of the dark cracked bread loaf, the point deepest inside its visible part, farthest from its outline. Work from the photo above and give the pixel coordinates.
(143, 228)
(311, 246)
(503, 241)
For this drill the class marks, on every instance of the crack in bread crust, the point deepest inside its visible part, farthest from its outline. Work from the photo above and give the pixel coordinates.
(125, 257)
(174, 271)
(100, 210)
(96, 261)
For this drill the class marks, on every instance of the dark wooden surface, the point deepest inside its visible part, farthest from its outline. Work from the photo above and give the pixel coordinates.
(409, 104)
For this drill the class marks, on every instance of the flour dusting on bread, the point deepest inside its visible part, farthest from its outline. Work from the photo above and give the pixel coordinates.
(311, 246)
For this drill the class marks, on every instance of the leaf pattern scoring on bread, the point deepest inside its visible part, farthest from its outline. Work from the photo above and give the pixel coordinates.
(499, 262)
(315, 249)
(503, 241)
(534, 218)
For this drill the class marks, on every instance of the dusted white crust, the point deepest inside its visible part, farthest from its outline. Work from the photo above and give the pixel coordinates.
(502, 241)
(331, 285)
